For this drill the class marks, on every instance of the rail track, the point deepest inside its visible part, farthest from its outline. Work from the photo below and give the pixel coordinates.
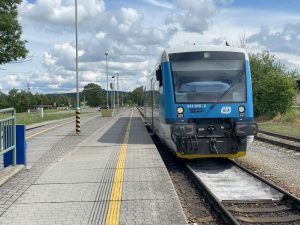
(279, 140)
(230, 193)
(242, 197)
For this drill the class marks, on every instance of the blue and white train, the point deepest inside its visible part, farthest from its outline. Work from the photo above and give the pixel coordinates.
(198, 100)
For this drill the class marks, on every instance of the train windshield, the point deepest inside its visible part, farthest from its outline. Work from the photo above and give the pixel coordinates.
(208, 77)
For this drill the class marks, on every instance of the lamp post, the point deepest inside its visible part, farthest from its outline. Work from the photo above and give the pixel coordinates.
(122, 93)
(77, 85)
(106, 54)
(118, 100)
(114, 88)
(111, 96)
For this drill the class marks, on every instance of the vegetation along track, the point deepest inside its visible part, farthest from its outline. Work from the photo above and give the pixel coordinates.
(279, 140)
(220, 191)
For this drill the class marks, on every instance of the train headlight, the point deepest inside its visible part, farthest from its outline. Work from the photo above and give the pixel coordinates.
(241, 109)
(180, 110)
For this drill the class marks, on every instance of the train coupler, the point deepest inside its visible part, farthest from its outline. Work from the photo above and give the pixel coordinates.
(212, 140)
(213, 145)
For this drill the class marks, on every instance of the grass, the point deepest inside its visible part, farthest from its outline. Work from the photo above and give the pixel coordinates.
(287, 124)
(107, 112)
(281, 129)
(30, 118)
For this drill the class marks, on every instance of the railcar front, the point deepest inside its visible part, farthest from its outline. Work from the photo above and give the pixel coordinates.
(205, 97)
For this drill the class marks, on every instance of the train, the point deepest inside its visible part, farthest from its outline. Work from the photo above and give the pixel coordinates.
(198, 101)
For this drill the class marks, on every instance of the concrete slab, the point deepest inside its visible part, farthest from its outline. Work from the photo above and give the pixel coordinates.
(228, 182)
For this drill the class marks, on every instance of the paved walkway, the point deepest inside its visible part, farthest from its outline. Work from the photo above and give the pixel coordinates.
(110, 174)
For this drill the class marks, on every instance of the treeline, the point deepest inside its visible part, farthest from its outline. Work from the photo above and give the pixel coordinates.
(22, 100)
(95, 96)
(92, 95)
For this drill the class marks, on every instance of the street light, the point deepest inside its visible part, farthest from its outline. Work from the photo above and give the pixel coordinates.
(77, 85)
(118, 101)
(114, 88)
(106, 54)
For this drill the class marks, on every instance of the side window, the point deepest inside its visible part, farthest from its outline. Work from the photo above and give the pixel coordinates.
(159, 76)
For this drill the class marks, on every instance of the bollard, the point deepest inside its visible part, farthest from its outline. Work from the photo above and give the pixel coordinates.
(77, 121)
(20, 148)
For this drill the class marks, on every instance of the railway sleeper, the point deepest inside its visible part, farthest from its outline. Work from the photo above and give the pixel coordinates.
(264, 220)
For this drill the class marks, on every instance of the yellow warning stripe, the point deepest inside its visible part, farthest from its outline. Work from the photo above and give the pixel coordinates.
(113, 213)
(50, 128)
(196, 156)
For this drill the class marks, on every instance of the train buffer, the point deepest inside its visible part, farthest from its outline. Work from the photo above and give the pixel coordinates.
(111, 173)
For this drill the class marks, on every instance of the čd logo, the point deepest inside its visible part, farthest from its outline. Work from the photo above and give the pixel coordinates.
(226, 110)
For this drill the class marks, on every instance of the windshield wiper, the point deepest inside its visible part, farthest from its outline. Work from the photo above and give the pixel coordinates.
(222, 95)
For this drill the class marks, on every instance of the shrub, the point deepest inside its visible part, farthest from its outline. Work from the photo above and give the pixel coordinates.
(274, 87)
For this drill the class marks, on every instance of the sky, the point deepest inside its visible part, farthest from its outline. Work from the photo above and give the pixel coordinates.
(135, 32)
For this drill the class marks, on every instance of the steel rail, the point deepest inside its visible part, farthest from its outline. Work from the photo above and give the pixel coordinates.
(280, 136)
(217, 205)
(286, 194)
(278, 143)
(221, 209)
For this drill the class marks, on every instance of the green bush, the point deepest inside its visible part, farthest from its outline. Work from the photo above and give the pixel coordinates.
(274, 87)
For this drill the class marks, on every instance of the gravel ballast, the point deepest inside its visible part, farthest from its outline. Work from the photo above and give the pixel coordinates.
(277, 164)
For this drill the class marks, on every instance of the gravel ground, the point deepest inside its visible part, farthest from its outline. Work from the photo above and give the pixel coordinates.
(276, 164)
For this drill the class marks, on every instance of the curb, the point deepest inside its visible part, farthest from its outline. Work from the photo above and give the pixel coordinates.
(9, 172)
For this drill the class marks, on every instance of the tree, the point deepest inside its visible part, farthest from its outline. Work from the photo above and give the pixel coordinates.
(93, 95)
(11, 45)
(274, 87)
(137, 95)
(3, 101)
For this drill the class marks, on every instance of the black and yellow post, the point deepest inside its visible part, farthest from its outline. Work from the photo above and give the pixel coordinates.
(77, 121)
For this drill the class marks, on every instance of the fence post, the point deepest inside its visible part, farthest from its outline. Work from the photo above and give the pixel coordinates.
(14, 139)
(8, 136)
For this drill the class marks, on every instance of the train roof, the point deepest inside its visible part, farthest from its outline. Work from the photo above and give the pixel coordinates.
(201, 48)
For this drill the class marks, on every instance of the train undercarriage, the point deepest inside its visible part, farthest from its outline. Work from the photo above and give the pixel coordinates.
(212, 138)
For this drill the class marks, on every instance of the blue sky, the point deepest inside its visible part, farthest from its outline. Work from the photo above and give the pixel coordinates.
(135, 32)
(289, 5)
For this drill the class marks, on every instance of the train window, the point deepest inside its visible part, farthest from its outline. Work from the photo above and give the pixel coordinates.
(220, 77)
(159, 75)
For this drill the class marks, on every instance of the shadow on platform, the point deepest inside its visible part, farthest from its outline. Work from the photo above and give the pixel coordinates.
(138, 133)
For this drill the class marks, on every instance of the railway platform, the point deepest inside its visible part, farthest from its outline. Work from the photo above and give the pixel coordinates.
(111, 173)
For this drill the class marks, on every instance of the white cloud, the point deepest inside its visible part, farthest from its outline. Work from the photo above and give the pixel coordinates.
(135, 38)
(161, 4)
(194, 15)
(60, 12)
(285, 40)
(283, 43)
(100, 35)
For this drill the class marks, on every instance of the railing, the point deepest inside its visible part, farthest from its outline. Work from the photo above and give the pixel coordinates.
(8, 132)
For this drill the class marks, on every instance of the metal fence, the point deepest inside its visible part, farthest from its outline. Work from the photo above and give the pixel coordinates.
(8, 132)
